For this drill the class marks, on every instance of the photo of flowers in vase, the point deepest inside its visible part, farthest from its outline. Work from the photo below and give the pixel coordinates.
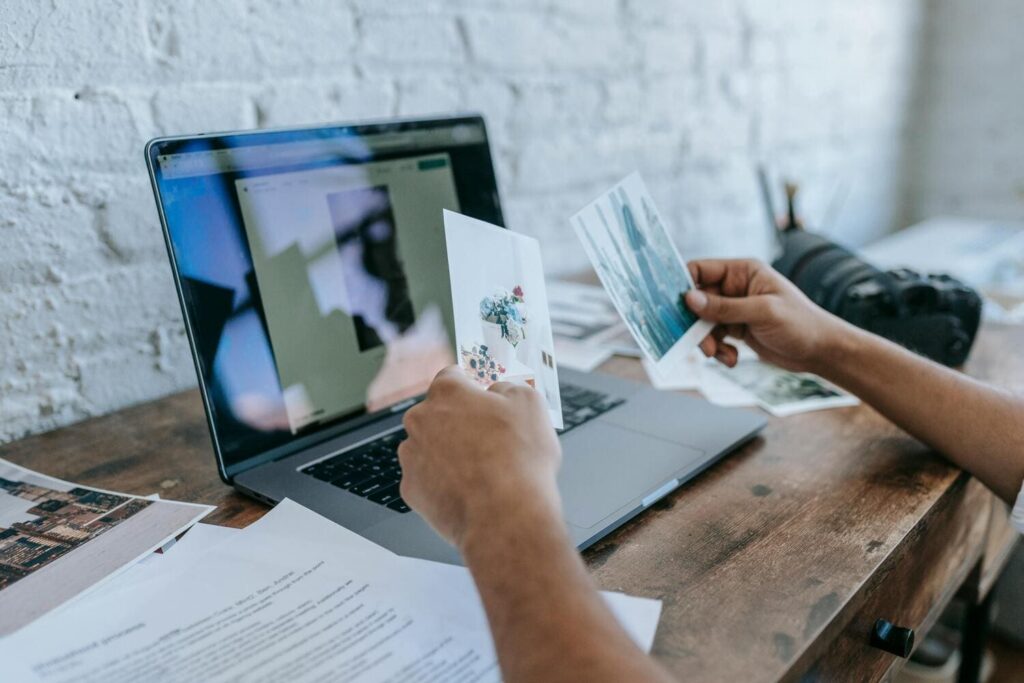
(504, 322)
(500, 308)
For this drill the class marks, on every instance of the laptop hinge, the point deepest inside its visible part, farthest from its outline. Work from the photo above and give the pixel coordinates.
(397, 408)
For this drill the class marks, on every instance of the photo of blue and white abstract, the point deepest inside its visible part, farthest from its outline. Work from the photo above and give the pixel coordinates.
(626, 241)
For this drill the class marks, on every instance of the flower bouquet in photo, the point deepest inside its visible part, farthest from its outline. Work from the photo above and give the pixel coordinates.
(504, 322)
(480, 366)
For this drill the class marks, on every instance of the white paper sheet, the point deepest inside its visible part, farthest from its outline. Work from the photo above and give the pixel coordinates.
(699, 373)
(293, 597)
(199, 541)
(638, 616)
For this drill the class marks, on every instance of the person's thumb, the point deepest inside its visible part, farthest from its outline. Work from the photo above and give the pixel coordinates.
(724, 309)
(448, 380)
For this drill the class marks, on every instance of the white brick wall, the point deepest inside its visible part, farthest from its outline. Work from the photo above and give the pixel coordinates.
(967, 147)
(577, 92)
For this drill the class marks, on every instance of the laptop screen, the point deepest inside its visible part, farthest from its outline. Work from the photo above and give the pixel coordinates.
(312, 270)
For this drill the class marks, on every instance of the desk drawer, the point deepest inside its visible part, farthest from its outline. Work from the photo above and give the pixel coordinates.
(912, 587)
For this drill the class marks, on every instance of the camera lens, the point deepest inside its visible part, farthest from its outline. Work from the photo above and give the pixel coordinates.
(823, 270)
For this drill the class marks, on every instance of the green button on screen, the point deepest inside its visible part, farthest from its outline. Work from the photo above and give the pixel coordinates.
(428, 164)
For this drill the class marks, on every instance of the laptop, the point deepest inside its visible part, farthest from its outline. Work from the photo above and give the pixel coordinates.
(311, 270)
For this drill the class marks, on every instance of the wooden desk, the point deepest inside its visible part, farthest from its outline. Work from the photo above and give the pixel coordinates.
(772, 566)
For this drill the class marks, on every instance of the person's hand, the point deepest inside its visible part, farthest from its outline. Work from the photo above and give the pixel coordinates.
(475, 455)
(748, 300)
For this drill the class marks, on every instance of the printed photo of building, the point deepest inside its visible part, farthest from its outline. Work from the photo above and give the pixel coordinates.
(60, 522)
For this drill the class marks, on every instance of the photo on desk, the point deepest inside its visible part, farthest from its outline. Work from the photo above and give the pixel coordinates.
(636, 261)
(58, 539)
(500, 306)
(783, 393)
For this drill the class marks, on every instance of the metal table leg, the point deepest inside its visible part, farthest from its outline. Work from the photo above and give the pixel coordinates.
(976, 625)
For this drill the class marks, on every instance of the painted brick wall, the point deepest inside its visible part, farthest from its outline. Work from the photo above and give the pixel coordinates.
(577, 92)
(966, 151)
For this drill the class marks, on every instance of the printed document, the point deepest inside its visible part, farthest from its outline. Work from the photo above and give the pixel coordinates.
(293, 597)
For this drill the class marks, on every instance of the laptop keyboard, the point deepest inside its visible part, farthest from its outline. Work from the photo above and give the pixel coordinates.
(580, 405)
(372, 471)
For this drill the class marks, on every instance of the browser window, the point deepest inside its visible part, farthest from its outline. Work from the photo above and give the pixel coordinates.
(351, 266)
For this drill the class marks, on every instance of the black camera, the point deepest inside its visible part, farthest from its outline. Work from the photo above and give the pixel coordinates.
(934, 315)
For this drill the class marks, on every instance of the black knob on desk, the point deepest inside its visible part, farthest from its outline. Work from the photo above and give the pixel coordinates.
(892, 639)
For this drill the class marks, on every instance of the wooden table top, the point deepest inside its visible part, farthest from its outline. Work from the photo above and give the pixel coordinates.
(753, 559)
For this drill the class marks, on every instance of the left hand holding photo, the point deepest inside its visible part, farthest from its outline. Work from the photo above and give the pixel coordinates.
(473, 456)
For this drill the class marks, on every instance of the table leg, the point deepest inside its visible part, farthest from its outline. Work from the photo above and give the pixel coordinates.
(976, 625)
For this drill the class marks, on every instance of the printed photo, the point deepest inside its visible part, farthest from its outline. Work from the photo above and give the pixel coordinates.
(500, 306)
(783, 393)
(57, 539)
(629, 247)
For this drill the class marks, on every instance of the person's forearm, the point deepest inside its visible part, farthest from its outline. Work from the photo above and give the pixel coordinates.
(978, 427)
(548, 621)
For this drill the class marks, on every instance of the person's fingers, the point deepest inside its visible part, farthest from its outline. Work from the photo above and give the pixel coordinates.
(736, 330)
(505, 388)
(412, 420)
(758, 348)
(706, 272)
(448, 379)
(523, 394)
(405, 450)
(708, 345)
(453, 372)
(721, 309)
(696, 299)
(739, 278)
(409, 493)
(727, 355)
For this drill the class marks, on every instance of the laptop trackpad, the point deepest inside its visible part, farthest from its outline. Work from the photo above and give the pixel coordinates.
(607, 468)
